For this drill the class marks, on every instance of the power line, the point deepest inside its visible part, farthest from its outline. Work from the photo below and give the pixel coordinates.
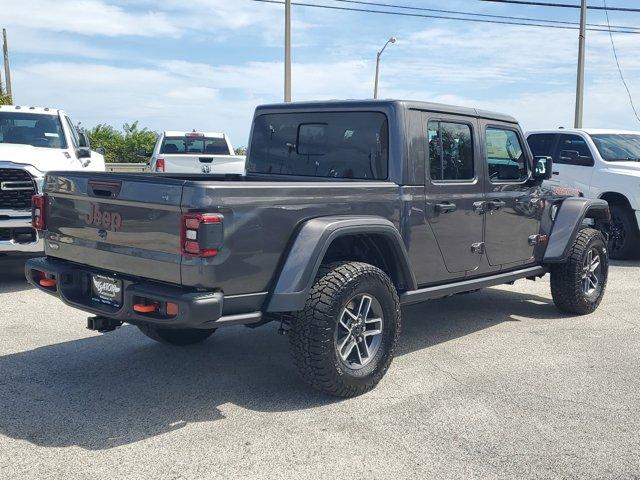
(486, 15)
(562, 5)
(442, 17)
(615, 55)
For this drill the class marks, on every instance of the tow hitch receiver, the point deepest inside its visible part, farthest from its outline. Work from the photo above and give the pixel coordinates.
(103, 324)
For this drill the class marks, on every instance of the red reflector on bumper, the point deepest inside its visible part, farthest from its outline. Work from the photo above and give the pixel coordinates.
(47, 282)
(172, 309)
(145, 308)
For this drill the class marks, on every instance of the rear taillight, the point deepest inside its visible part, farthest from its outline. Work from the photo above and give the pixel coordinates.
(201, 234)
(160, 165)
(39, 212)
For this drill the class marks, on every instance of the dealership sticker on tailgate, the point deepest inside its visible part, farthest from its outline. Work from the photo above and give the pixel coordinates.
(106, 290)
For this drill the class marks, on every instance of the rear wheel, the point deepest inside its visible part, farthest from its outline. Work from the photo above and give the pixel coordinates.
(344, 339)
(624, 238)
(578, 285)
(176, 336)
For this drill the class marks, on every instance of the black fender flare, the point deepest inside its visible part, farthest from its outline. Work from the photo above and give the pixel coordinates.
(568, 222)
(303, 260)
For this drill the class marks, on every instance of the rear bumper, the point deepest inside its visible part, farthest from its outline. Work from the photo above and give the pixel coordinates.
(17, 235)
(195, 309)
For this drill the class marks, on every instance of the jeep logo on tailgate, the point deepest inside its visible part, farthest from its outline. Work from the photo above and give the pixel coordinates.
(104, 219)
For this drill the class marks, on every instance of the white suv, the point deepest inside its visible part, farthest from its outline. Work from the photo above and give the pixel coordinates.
(602, 164)
(33, 141)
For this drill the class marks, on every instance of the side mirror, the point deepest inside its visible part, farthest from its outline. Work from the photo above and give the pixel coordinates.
(543, 168)
(100, 150)
(83, 140)
(573, 157)
(141, 152)
(84, 152)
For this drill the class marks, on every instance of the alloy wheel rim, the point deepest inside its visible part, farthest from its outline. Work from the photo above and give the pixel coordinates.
(591, 272)
(359, 332)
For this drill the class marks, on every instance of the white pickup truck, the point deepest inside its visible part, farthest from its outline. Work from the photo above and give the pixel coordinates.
(195, 152)
(34, 141)
(601, 164)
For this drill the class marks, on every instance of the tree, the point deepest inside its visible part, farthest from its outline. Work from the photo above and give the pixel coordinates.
(4, 98)
(241, 151)
(122, 146)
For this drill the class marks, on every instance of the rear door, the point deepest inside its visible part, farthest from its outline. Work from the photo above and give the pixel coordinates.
(454, 193)
(513, 205)
(120, 223)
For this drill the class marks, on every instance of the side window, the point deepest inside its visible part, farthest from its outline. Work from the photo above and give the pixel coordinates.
(505, 156)
(541, 144)
(450, 151)
(573, 150)
(74, 134)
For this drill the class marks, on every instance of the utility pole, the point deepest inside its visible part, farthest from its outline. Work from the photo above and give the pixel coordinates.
(287, 51)
(7, 73)
(580, 76)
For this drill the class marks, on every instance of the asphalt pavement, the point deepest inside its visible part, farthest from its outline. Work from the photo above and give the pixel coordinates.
(495, 384)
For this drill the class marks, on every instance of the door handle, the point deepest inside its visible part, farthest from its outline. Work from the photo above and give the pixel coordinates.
(556, 173)
(496, 204)
(479, 207)
(446, 207)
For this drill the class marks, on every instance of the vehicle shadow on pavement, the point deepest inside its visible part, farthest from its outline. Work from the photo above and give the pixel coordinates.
(109, 390)
(12, 275)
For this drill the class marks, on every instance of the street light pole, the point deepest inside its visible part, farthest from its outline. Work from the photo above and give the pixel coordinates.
(580, 76)
(379, 54)
(287, 51)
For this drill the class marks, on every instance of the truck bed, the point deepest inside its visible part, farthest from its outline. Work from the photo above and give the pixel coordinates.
(131, 223)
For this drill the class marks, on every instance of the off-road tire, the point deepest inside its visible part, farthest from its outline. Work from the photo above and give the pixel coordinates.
(176, 336)
(313, 330)
(625, 219)
(567, 278)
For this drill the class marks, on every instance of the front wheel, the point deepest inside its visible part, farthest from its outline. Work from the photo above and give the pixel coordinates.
(344, 340)
(176, 336)
(578, 285)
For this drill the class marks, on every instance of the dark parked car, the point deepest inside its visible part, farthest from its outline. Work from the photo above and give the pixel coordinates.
(348, 211)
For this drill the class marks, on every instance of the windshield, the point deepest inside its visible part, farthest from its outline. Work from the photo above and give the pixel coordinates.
(618, 147)
(32, 129)
(197, 145)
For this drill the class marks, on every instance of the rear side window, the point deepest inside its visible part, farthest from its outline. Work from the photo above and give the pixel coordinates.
(336, 145)
(195, 145)
(541, 144)
(505, 156)
(450, 151)
(573, 150)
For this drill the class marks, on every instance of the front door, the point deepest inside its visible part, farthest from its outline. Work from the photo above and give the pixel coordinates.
(573, 163)
(513, 205)
(454, 193)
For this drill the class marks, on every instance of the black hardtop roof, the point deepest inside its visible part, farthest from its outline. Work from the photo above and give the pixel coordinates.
(377, 104)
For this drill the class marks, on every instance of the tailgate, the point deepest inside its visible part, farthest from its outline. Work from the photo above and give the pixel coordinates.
(118, 222)
(203, 163)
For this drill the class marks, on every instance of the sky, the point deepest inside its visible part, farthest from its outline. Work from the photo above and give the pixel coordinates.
(206, 64)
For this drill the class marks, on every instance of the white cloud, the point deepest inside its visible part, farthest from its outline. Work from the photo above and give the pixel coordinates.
(86, 17)
(40, 42)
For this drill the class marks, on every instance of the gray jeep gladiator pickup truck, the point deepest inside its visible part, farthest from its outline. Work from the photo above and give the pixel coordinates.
(349, 210)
